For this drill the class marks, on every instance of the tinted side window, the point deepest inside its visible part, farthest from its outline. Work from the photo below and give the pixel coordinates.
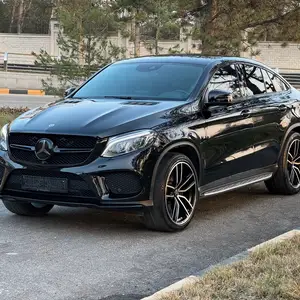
(268, 82)
(226, 78)
(253, 80)
(278, 84)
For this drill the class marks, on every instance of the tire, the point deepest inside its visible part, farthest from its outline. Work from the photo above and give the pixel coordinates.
(27, 209)
(165, 210)
(281, 183)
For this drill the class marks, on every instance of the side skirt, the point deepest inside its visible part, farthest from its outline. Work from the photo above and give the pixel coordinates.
(237, 181)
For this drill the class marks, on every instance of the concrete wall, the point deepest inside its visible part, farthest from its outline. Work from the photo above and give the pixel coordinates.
(21, 46)
(16, 80)
(24, 43)
(285, 58)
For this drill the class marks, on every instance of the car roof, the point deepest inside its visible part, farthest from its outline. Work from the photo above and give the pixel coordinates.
(188, 58)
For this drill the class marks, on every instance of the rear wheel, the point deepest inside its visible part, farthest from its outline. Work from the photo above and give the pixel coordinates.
(286, 180)
(175, 194)
(28, 209)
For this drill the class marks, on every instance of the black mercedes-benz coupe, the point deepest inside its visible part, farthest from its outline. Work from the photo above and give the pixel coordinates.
(155, 135)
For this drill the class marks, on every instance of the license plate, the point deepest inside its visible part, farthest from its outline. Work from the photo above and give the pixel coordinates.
(45, 184)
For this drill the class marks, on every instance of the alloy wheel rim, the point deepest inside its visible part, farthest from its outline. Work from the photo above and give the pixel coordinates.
(181, 193)
(293, 165)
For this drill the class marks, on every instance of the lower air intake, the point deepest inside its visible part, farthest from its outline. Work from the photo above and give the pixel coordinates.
(123, 183)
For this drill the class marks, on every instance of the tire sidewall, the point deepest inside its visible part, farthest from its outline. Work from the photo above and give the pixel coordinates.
(164, 170)
(283, 163)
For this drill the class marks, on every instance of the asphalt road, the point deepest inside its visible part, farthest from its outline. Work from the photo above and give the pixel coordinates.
(83, 254)
(25, 100)
(89, 254)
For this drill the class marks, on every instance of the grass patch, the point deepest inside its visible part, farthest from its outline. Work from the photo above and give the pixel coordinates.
(8, 114)
(270, 273)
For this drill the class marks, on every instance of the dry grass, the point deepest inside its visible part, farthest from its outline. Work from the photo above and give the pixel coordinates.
(270, 273)
(8, 114)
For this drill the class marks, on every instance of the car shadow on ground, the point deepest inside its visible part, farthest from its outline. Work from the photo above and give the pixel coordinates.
(236, 200)
(83, 219)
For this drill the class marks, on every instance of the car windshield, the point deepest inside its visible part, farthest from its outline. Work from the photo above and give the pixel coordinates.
(157, 81)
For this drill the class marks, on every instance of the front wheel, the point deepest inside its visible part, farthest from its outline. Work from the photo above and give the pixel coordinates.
(286, 180)
(27, 209)
(175, 194)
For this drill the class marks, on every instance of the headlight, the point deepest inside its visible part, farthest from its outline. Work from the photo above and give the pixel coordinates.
(3, 138)
(127, 143)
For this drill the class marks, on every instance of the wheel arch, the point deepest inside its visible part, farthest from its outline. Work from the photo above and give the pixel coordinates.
(185, 147)
(294, 128)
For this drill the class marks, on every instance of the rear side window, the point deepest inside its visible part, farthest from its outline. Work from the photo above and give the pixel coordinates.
(226, 78)
(278, 83)
(253, 80)
(268, 82)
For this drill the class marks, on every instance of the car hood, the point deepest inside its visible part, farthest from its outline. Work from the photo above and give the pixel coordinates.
(95, 117)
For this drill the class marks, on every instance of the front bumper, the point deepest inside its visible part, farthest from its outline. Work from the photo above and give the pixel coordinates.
(112, 183)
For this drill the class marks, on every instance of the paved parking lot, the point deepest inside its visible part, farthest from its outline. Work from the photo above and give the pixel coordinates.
(90, 254)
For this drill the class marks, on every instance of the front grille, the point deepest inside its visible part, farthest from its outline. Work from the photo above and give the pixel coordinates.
(76, 149)
(123, 183)
(61, 141)
(77, 187)
(61, 159)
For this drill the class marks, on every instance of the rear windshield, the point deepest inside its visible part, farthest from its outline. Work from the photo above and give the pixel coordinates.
(161, 81)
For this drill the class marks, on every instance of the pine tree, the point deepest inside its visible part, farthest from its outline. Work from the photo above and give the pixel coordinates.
(226, 27)
(151, 20)
(83, 43)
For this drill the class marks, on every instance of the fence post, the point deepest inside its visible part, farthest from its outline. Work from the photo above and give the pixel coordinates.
(5, 59)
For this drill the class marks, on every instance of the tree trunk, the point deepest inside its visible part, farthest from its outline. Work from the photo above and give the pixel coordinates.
(12, 17)
(81, 45)
(136, 35)
(157, 34)
(138, 40)
(26, 9)
(20, 16)
(209, 30)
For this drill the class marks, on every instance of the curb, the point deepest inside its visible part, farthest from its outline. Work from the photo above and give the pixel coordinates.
(192, 279)
(22, 92)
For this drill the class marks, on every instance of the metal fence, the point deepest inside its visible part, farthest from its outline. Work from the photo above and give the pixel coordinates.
(292, 78)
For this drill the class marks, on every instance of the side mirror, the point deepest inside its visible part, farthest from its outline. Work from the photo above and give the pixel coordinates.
(69, 91)
(219, 97)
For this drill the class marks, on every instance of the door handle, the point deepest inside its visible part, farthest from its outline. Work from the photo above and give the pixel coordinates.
(282, 107)
(246, 112)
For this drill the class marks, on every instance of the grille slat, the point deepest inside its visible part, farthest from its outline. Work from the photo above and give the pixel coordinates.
(61, 141)
(86, 144)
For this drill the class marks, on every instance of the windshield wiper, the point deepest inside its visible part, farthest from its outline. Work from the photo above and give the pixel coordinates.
(118, 97)
(79, 98)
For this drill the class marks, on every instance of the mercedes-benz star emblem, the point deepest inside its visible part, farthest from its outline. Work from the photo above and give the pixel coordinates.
(44, 149)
